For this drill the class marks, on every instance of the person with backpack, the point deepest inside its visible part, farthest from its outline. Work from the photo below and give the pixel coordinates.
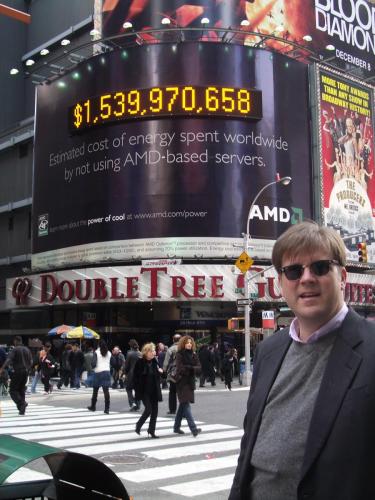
(169, 368)
(21, 360)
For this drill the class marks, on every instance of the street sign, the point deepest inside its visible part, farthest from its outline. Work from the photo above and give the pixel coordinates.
(244, 262)
(243, 302)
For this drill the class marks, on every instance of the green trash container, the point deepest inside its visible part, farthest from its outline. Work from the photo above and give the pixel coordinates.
(74, 476)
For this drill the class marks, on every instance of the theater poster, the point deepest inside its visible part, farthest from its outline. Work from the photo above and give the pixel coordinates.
(346, 149)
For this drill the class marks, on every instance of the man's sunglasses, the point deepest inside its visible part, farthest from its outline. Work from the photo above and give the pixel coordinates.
(319, 268)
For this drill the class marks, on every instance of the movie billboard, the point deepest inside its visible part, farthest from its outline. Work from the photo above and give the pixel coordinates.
(158, 151)
(347, 27)
(346, 147)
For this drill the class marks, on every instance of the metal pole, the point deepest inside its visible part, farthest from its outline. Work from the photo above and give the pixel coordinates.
(246, 379)
(246, 238)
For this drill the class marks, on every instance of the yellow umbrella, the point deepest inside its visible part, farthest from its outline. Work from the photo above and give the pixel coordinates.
(80, 332)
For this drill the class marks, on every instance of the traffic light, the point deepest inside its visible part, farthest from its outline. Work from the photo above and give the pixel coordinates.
(362, 252)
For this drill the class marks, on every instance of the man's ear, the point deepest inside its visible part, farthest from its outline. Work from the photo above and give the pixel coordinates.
(343, 278)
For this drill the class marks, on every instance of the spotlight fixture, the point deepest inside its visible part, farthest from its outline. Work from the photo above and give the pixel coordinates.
(44, 52)
(330, 47)
(127, 25)
(307, 38)
(165, 21)
(30, 62)
(205, 20)
(94, 32)
(14, 71)
(245, 22)
(65, 41)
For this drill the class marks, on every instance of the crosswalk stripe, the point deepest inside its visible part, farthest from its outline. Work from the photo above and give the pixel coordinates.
(96, 434)
(124, 434)
(101, 420)
(177, 470)
(86, 418)
(195, 449)
(156, 443)
(200, 487)
(33, 415)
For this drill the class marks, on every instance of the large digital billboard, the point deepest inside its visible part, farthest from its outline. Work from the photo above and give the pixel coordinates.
(347, 26)
(158, 151)
(346, 150)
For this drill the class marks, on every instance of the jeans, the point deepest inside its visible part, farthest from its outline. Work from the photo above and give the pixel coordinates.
(35, 381)
(172, 397)
(89, 379)
(76, 375)
(184, 410)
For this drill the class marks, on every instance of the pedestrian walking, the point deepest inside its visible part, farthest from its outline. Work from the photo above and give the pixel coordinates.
(36, 368)
(207, 361)
(65, 368)
(21, 360)
(102, 376)
(47, 368)
(76, 366)
(147, 387)
(161, 351)
(309, 427)
(117, 366)
(132, 357)
(87, 365)
(169, 369)
(228, 368)
(187, 368)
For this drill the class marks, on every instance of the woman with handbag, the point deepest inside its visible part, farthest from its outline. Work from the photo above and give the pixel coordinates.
(147, 387)
(187, 368)
(102, 376)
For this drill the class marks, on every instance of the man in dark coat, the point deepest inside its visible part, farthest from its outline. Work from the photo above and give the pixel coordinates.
(77, 361)
(309, 427)
(207, 361)
(21, 360)
(132, 357)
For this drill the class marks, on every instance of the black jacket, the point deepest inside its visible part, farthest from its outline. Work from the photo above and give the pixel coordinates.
(147, 380)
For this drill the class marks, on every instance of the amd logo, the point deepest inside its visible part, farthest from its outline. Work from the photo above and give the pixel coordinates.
(278, 214)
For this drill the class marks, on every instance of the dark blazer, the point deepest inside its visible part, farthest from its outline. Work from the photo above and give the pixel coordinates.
(339, 461)
(140, 380)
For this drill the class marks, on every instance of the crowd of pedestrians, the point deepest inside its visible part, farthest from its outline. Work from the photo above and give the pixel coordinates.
(142, 373)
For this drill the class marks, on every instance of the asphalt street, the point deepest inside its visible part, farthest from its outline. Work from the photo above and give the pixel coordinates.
(171, 467)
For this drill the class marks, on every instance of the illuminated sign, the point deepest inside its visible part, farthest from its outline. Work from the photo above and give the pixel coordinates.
(134, 284)
(188, 100)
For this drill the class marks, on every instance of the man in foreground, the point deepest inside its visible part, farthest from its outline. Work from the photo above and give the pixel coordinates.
(309, 427)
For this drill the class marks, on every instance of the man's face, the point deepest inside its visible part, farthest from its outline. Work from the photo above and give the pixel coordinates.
(313, 299)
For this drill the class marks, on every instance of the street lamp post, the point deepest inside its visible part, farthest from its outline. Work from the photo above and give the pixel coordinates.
(246, 237)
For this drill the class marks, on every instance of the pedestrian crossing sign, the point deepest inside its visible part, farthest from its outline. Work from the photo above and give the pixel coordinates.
(244, 262)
